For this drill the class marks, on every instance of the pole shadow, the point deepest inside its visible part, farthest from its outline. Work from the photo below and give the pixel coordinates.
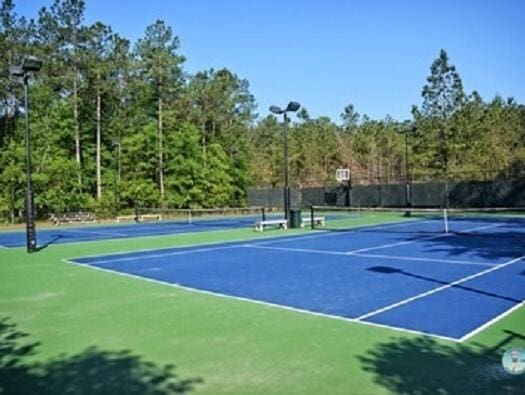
(48, 243)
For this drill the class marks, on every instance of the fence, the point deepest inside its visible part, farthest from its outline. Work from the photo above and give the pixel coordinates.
(461, 194)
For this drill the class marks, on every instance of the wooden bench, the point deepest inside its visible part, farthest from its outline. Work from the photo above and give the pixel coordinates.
(73, 217)
(150, 217)
(122, 218)
(317, 221)
(140, 218)
(281, 223)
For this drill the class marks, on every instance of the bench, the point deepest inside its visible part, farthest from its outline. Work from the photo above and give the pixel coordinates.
(122, 218)
(281, 223)
(140, 218)
(73, 217)
(317, 221)
(150, 217)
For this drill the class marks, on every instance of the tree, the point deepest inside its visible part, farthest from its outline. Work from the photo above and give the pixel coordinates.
(350, 118)
(442, 96)
(98, 54)
(13, 36)
(60, 31)
(160, 67)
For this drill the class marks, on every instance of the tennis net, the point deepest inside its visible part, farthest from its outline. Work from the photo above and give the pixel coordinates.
(218, 217)
(421, 220)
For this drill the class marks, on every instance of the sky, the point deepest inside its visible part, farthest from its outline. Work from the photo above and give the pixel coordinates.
(326, 54)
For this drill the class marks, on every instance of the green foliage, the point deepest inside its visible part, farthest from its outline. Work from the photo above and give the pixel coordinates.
(111, 125)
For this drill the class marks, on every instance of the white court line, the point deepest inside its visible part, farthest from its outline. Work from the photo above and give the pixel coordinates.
(306, 250)
(492, 321)
(267, 239)
(93, 232)
(419, 239)
(268, 304)
(402, 258)
(147, 256)
(409, 258)
(438, 289)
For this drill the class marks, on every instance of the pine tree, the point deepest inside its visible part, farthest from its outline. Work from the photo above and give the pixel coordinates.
(160, 68)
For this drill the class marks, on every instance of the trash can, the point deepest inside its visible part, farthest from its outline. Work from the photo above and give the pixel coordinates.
(295, 218)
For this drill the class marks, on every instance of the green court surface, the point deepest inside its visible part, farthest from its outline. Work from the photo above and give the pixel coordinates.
(70, 329)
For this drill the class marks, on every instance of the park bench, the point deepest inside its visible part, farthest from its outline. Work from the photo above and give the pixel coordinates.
(73, 217)
(317, 221)
(150, 217)
(281, 223)
(124, 218)
(139, 218)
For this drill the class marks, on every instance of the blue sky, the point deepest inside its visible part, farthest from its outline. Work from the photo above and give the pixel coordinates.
(327, 54)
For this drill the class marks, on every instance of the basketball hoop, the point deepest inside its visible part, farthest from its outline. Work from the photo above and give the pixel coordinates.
(342, 175)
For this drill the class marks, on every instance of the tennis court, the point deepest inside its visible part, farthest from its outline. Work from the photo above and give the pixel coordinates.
(405, 275)
(173, 222)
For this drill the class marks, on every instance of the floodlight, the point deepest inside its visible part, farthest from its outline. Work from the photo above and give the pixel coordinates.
(276, 110)
(16, 71)
(293, 106)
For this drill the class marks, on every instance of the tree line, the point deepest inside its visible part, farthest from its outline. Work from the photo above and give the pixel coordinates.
(116, 124)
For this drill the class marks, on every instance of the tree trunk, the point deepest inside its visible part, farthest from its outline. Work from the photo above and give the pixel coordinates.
(203, 141)
(7, 95)
(119, 153)
(161, 158)
(99, 178)
(77, 127)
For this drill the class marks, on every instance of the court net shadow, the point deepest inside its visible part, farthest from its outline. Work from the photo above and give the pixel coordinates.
(425, 366)
(392, 270)
(490, 246)
(504, 242)
(92, 371)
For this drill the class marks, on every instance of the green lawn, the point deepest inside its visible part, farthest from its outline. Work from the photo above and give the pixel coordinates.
(70, 329)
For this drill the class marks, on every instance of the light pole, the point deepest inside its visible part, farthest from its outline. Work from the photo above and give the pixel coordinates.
(292, 107)
(408, 186)
(30, 64)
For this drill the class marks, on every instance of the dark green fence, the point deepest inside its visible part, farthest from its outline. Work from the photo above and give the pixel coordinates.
(461, 194)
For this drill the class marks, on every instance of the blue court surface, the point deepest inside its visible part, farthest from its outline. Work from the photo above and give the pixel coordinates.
(58, 235)
(401, 276)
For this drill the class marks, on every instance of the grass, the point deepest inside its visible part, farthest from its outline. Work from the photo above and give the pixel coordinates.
(67, 328)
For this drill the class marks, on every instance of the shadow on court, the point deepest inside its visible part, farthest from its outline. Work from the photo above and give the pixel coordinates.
(426, 366)
(391, 270)
(92, 371)
(488, 246)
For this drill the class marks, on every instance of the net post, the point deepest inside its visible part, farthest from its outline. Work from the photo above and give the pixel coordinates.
(312, 222)
(445, 218)
(136, 213)
(263, 210)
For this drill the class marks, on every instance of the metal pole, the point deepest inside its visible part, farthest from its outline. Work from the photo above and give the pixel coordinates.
(115, 190)
(286, 172)
(30, 220)
(408, 199)
(350, 191)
